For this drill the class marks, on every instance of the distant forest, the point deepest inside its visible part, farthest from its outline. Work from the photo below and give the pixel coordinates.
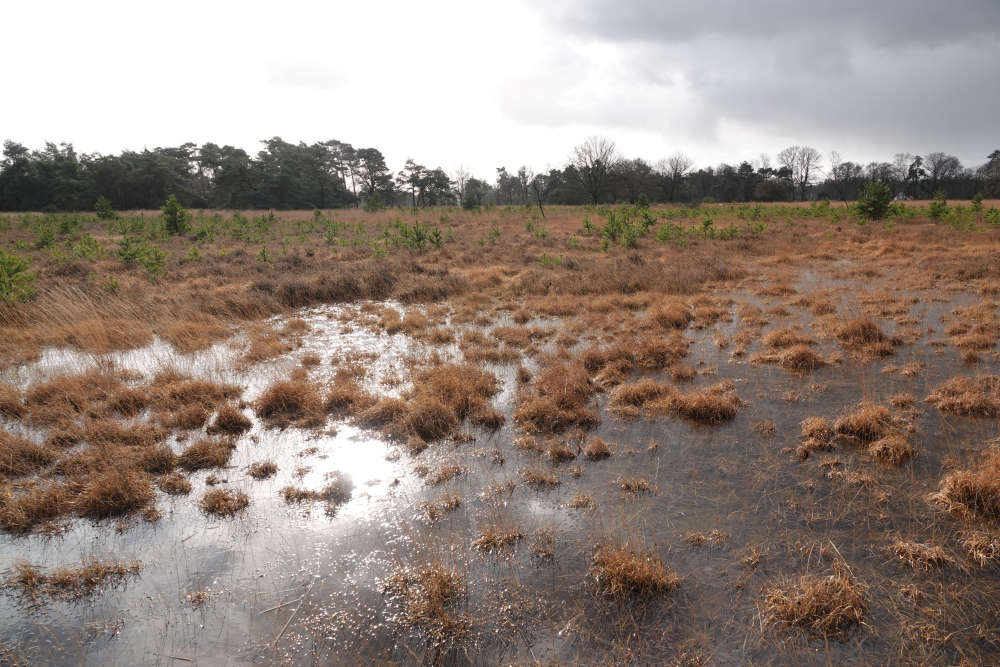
(333, 174)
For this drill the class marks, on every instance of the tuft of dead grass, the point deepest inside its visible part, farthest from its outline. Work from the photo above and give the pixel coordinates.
(175, 484)
(206, 453)
(224, 502)
(429, 593)
(337, 491)
(262, 469)
(980, 546)
(865, 337)
(975, 492)
(229, 420)
(978, 397)
(596, 449)
(713, 404)
(622, 569)
(287, 402)
(77, 581)
(539, 478)
(919, 555)
(892, 449)
(831, 605)
(114, 491)
(869, 421)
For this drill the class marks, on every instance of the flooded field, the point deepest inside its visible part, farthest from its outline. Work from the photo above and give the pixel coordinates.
(793, 462)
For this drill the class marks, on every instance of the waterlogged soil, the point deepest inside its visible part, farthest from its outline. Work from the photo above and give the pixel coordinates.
(305, 584)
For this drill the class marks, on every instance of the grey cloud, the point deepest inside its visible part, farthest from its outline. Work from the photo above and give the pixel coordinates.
(879, 77)
(306, 73)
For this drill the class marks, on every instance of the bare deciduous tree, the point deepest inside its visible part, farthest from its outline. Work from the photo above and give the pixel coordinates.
(803, 162)
(941, 167)
(593, 162)
(671, 171)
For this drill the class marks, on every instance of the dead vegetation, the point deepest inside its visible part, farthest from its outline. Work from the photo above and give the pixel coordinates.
(429, 593)
(919, 555)
(262, 469)
(975, 492)
(869, 421)
(337, 491)
(224, 502)
(624, 569)
(89, 577)
(831, 606)
(971, 397)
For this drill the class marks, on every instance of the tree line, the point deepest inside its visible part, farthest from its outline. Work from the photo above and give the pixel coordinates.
(334, 174)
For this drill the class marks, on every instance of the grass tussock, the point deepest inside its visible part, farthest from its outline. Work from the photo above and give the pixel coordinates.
(175, 484)
(560, 452)
(77, 581)
(539, 477)
(975, 491)
(621, 569)
(919, 555)
(865, 337)
(20, 457)
(714, 404)
(975, 397)
(581, 501)
(206, 453)
(224, 502)
(982, 547)
(229, 420)
(500, 533)
(869, 421)
(114, 491)
(287, 402)
(892, 449)
(560, 400)
(429, 594)
(26, 507)
(596, 449)
(831, 605)
(262, 469)
(787, 337)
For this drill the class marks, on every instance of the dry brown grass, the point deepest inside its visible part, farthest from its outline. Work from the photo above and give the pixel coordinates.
(980, 546)
(892, 449)
(975, 492)
(560, 400)
(175, 484)
(20, 456)
(114, 491)
(206, 453)
(869, 421)
(337, 491)
(224, 502)
(714, 404)
(596, 449)
(539, 477)
(77, 581)
(968, 397)
(919, 555)
(560, 452)
(865, 337)
(501, 532)
(622, 569)
(287, 402)
(787, 337)
(631, 485)
(262, 469)
(831, 605)
(581, 501)
(26, 507)
(446, 472)
(193, 335)
(429, 593)
(229, 420)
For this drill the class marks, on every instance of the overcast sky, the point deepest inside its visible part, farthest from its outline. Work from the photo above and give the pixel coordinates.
(508, 83)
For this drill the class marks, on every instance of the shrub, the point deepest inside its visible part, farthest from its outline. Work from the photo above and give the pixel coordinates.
(175, 218)
(939, 206)
(104, 209)
(16, 284)
(873, 201)
(469, 202)
(375, 203)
